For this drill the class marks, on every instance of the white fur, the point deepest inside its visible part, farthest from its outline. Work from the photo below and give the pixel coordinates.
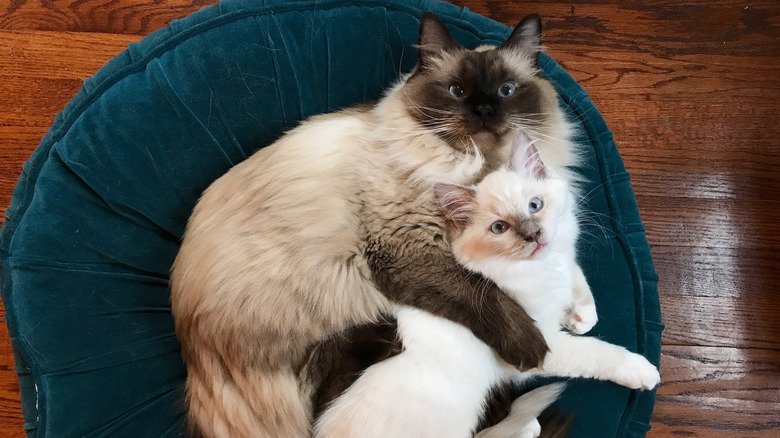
(437, 386)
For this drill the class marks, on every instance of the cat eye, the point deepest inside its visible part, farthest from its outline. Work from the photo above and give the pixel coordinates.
(535, 205)
(456, 90)
(499, 227)
(507, 89)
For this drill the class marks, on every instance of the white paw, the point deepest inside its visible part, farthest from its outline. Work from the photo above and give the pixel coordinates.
(582, 318)
(637, 373)
(531, 430)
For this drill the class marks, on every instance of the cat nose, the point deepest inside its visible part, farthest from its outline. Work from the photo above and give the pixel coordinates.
(484, 110)
(529, 230)
(534, 237)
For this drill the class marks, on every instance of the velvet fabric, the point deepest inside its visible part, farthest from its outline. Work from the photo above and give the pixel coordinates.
(97, 215)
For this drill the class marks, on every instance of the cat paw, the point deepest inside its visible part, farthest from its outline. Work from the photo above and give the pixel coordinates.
(581, 319)
(531, 430)
(523, 347)
(637, 373)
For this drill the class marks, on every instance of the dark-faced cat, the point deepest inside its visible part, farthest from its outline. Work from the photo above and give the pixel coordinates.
(324, 229)
(517, 227)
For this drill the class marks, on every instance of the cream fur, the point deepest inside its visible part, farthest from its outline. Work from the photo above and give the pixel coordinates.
(272, 258)
(241, 303)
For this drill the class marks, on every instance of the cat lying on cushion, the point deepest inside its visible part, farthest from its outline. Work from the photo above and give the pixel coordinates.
(335, 222)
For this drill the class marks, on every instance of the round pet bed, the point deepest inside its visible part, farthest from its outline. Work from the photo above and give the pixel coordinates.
(98, 212)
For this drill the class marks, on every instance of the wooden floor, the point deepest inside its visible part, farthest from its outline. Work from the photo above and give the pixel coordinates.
(691, 90)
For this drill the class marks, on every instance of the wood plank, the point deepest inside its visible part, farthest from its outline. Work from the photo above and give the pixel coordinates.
(635, 27)
(58, 55)
(746, 321)
(665, 27)
(694, 222)
(727, 273)
(750, 185)
(33, 102)
(646, 76)
(138, 17)
(661, 430)
(718, 392)
(663, 135)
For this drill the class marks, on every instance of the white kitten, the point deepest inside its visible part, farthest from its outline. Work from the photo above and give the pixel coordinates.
(518, 228)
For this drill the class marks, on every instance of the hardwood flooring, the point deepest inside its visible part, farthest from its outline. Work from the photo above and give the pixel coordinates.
(691, 90)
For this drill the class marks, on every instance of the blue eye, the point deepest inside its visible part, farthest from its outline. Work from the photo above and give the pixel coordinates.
(506, 89)
(535, 205)
(499, 227)
(456, 90)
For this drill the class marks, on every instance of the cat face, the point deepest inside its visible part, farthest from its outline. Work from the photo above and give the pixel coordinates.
(479, 97)
(515, 213)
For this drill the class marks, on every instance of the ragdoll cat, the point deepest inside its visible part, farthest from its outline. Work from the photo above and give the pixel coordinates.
(517, 227)
(324, 229)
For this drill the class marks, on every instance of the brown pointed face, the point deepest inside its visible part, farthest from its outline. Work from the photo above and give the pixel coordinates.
(479, 97)
(475, 95)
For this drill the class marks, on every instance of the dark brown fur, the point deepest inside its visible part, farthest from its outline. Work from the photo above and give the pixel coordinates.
(416, 268)
(410, 261)
(497, 406)
(555, 424)
(336, 363)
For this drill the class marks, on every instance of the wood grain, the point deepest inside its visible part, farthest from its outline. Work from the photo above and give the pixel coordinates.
(700, 320)
(691, 91)
(127, 17)
(38, 54)
(719, 392)
(702, 222)
(726, 273)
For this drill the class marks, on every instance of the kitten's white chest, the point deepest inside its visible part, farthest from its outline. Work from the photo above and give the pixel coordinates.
(543, 287)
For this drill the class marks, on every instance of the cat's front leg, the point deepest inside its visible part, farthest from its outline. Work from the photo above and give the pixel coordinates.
(581, 316)
(430, 279)
(582, 356)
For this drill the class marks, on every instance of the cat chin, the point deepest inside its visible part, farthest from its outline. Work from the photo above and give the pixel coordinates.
(484, 136)
(483, 139)
(540, 251)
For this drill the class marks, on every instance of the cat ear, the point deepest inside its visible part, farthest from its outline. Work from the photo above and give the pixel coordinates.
(525, 158)
(527, 37)
(455, 202)
(434, 38)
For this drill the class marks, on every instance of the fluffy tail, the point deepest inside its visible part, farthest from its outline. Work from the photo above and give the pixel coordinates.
(522, 419)
(242, 403)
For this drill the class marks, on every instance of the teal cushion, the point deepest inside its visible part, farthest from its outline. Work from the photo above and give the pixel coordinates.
(96, 217)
